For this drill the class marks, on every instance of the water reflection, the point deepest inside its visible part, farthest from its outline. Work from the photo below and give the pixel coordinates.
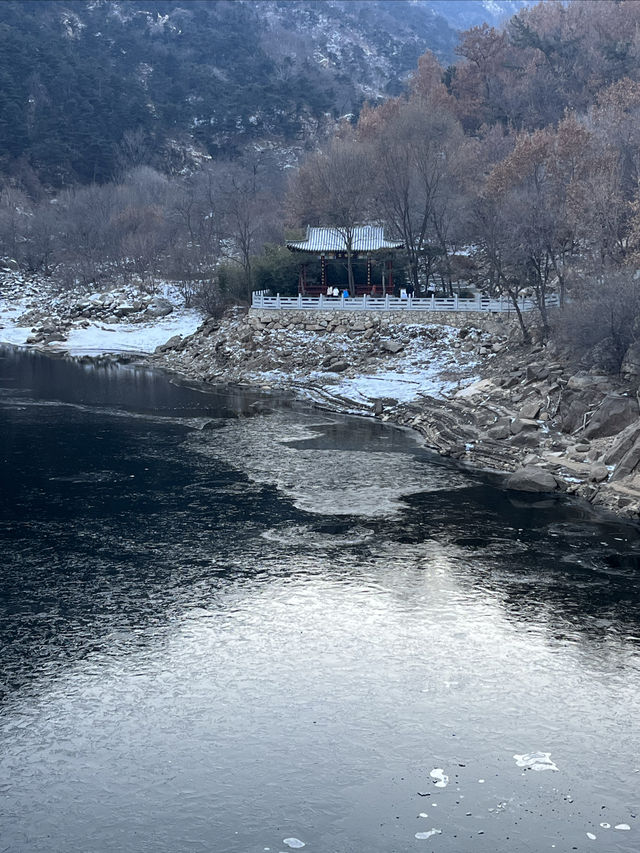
(199, 652)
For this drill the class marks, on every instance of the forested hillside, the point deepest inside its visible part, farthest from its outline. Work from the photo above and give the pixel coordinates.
(90, 88)
(514, 169)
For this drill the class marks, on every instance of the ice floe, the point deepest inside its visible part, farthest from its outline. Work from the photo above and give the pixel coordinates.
(440, 777)
(536, 761)
(423, 835)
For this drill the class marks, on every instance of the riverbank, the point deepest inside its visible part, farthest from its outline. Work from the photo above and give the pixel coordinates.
(473, 391)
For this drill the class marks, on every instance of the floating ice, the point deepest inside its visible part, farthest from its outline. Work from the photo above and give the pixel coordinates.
(440, 776)
(536, 761)
(591, 836)
(622, 826)
(605, 825)
(423, 814)
(422, 835)
(293, 842)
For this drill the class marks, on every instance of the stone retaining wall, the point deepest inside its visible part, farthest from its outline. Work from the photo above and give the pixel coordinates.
(322, 321)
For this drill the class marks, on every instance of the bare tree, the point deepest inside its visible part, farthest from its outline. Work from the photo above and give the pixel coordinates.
(332, 188)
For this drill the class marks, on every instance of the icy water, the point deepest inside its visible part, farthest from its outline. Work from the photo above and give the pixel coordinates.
(234, 625)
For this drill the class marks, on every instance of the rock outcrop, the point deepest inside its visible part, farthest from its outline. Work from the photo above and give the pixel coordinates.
(531, 479)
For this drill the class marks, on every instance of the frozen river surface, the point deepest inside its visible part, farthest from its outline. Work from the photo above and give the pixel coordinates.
(233, 625)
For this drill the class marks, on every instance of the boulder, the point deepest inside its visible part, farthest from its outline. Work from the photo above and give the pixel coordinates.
(124, 310)
(531, 479)
(173, 343)
(628, 464)
(530, 410)
(526, 439)
(392, 346)
(622, 444)
(158, 308)
(481, 387)
(536, 371)
(582, 381)
(523, 425)
(338, 366)
(574, 406)
(598, 473)
(499, 431)
(612, 416)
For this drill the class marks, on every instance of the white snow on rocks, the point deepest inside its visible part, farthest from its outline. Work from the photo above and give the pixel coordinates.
(33, 312)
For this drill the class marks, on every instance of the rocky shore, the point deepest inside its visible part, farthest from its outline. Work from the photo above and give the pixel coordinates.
(479, 394)
(465, 383)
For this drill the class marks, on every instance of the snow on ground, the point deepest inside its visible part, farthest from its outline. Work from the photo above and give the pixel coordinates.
(11, 332)
(19, 296)
(403, 387)
(129, 337)
(425, 367)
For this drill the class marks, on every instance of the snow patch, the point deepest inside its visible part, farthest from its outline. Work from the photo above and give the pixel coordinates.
(424, 835)
(536, 761)
(442, 780)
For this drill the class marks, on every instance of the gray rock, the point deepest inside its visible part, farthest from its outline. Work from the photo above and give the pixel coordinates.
(531, 479)
(338, 366)
(173, 343)
(392, 346)
(526, 439)
(622, 444)
(523, 424)
(530, 410)
(124, 310)
(598, 473)
(574, 406)
(582, 381)
(628, 463)
(498, 432)
(158, 308)
(612, 416)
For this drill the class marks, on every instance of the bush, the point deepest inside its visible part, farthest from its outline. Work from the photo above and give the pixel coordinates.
(601, 321)
(277, 270)
(208, 298)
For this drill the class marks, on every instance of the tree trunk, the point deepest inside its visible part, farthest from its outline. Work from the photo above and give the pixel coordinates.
(352, 287)
(526, 337)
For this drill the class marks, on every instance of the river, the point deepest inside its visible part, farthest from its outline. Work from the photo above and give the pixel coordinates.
(230, 623)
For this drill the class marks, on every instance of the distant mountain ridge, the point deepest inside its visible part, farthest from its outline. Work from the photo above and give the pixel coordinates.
(89, 87)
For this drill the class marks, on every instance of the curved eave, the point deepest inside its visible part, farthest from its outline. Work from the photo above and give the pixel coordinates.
(297, 247)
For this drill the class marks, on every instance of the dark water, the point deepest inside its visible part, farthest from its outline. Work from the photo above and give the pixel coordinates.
(222, 627)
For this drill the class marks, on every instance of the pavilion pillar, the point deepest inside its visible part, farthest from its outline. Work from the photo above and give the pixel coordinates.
(323, 274)
(390, 275)
(368, 274)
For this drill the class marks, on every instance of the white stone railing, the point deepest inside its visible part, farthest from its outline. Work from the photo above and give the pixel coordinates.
(393, 303)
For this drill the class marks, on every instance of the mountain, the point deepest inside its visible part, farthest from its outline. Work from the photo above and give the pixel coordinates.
(90, 87)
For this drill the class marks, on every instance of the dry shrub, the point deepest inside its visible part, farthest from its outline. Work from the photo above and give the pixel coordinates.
(601, 321)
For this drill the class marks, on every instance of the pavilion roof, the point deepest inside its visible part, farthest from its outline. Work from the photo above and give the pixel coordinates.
(365, 238)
